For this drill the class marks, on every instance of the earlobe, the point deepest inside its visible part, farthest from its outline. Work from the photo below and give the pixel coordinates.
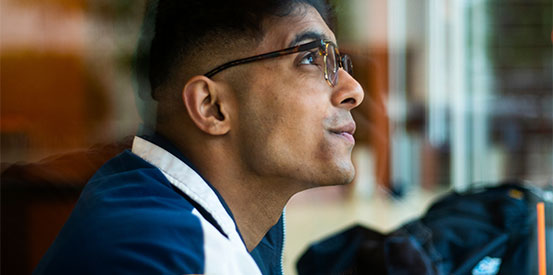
(204, 102)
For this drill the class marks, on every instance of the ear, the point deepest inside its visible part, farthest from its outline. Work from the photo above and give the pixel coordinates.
(206, 104)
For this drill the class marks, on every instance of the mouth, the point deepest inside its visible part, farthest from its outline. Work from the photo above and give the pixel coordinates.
(345, 131)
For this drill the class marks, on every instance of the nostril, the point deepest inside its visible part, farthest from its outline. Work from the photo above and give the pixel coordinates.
(348, 101)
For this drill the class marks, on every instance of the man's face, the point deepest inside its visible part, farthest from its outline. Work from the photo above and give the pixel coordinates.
(291, 124)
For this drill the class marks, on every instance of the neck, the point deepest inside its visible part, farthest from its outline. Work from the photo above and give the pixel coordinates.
(255, 202)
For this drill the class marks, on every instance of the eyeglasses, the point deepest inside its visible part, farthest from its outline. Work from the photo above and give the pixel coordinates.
(332, 59)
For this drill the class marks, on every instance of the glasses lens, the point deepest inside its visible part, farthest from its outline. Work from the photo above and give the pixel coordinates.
(331, 64)
(347, 64)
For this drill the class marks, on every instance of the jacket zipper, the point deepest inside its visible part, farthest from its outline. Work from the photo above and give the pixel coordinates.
(283, 241)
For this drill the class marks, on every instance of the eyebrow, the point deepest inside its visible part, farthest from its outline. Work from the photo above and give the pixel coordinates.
(308, 35)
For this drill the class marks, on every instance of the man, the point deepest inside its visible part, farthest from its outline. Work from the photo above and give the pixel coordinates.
(254, 105)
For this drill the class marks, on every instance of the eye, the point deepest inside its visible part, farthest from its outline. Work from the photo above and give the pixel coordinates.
(310, 58)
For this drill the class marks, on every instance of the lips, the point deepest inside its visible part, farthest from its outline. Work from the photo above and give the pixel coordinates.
(345, 131)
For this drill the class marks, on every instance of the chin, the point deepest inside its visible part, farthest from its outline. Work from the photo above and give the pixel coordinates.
(340, 175)
(348, 177)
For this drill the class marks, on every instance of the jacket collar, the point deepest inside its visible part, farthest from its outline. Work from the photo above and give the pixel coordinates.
(181, 173)
(188, 181)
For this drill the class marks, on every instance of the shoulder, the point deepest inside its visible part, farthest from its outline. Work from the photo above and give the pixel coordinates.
(128, 219)
(128, 244)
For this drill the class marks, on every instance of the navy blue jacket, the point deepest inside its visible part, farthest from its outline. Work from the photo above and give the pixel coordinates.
(149, 212)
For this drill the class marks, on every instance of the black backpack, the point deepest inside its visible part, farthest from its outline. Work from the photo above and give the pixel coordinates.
(486, 231)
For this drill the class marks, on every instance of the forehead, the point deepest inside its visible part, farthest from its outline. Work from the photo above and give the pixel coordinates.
(303, 24)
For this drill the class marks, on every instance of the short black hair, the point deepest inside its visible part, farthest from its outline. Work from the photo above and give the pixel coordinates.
(183, 26)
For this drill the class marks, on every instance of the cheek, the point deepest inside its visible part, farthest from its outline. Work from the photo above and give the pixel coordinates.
(299, 113)
(288, 112)
(301, 116)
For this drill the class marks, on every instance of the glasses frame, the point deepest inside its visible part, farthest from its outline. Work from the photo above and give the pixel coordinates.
(322, 44)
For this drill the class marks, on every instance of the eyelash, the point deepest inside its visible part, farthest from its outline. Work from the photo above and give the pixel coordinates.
(310, 55)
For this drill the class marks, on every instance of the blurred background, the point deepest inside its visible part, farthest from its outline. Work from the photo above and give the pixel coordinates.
(458, 93)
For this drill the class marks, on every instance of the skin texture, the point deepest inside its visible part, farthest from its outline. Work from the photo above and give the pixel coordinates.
(261, 132)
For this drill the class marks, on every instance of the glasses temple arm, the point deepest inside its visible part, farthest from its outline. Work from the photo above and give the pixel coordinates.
(286, 51)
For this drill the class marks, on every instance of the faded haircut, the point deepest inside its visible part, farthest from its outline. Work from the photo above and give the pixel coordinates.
(186, 29)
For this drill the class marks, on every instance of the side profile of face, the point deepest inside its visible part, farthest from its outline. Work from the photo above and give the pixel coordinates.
(291, 124)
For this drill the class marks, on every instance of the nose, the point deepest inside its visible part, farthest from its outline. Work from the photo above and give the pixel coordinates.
(348, 93)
